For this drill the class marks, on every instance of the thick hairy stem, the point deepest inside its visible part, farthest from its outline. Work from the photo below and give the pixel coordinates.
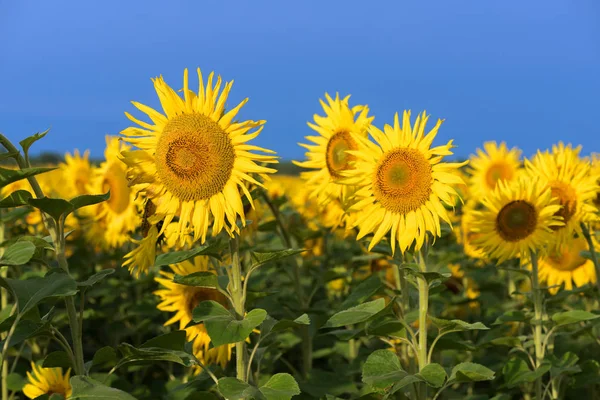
(538, 307)
(237, 295)
(588, 238)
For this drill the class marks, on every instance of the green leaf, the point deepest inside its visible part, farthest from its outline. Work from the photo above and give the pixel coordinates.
(446, 325)
(16, 199)
(430, 277)
(516, 372)
(302, 320)
(53, 207)
(8, 176)
(407, 380)
(85, 387)
(105, 355)
(8, 154)
(97, 277)
(172, 341)
(15, 382)
(32, 291)
(24, 330)
(355, 314)
(234, 389)
(175, 257)
(382, 369)
(150, 355)
(261, 258)
(363, 291)
(434, 374)
(511, 316)
(573, 316)
(88, 200)
(471, 372)
(221, 325)
(280, 387)
(18, 253)
(28, 141)
(205, 279)
(58, 359)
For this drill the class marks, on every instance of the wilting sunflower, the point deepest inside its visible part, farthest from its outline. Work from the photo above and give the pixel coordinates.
(115, 218)
(194, 159)
(182, 300)
(402, 182)
(516, 217)
(47, 381)
(327, 156)
(77, 172)
(573, 182)
(492, 164)
(566, 265)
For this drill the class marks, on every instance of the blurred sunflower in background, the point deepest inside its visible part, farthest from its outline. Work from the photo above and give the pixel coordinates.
(182, 299)
(403, 185)
(465, 234)
(567, 265)
(516, 217)
(572, 181)
(112, 220)
(50, 381)
(492, 164)
(77, 172)
(194, 159)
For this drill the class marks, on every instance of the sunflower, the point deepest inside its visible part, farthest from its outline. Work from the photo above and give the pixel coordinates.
(328, 155)
(595, 160)
(573, 182)
(142, 257)
(465, 234)
(402, 182)
(182, 300)
(516, 217)
(47, 381)
(492, 164)
(566, 265)
(77, 172)
(115, 218)
(193, 160)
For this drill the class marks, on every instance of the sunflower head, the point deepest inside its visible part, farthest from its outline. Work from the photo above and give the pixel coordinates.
(402, 183)
(42, 381)
(194, 159)
(492, 164)
(517, 217)
(77, 172)
(182, 299)
(328, 155)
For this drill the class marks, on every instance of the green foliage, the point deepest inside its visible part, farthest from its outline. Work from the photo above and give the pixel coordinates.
(87, 388)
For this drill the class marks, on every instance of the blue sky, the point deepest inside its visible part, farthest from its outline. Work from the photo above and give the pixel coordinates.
(526, 72)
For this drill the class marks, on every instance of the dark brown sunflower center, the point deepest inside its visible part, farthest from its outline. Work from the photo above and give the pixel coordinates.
(516, 221)
(496, 172)
(115, 180)
(403, 180)
(567, 198)
(194, 157)
(336, 157)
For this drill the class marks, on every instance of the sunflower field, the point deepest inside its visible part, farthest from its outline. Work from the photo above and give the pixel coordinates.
(184, 266)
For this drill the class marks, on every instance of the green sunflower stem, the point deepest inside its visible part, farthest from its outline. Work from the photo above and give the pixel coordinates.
(588, 238)
(423, 287)
(538, 309)
(237, 295)
(4, 303)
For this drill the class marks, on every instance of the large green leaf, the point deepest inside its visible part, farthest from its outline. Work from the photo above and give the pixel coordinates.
(58, 359)
(280, 387)
(235, 389)
(88, 200)
(16, 199)
(446, 325)
(25, 329)
(30, 292)
(18, 253)
(355, 314)
(51, 206)
(382, 369)
(471, 372)
(205, 279)
(573, 316)
(363, 291)
(8, 176)
(222, 326)
(261, 258)
(150, 355)
(174, 257)
(434, 374)
(87, 388)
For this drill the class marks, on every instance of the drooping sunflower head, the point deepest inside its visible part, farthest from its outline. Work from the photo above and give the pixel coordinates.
(567, 265)
(182, 300)
(492, 164)
(42, 381)
(77, 172)
(402, 183)
(516, 218)
(194, 159)
(113, 220)
(573, 182)
(328, 156)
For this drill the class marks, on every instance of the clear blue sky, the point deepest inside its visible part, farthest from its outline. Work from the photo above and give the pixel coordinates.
(527, 72)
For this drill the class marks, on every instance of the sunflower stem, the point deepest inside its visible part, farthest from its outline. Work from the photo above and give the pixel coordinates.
(588, 238)
(237, 295)
(423, 287)
(4, 303)
(538, 308)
